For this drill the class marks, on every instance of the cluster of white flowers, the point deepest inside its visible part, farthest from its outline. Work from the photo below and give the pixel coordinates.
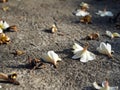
(83, 12)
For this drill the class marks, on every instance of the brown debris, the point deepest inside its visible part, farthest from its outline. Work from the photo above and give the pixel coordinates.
(18, 52)
(10, 78)
(35, 63)
(93, 36)
(86, 19)
(12, 28)
(4, 39)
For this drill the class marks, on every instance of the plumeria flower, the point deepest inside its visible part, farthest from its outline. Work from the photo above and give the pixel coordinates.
(81, 12)
(105, 86)
(3, 25)
(104, 13)
(84, 5)
(54, 28)
(105, 49)
(112, 35)
(82, 53)
(51, 57)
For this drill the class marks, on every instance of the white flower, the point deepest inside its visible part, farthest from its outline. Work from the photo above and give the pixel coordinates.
(105, 86)
(112, 35)
(105, 49)
(51, 57)
(82, 53)
(3, 25)
(82, 13)
(105, 13)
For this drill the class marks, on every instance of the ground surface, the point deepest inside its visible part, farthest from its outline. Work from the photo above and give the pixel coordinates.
(32, 17)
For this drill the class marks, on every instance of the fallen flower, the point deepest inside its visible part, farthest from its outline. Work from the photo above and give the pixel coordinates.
(82, 53)
(81, 12)
(4, 39)
(51, 57)
(105, 49)
(3, 25)
(112, 35)
(84, 6)
(11, 78)
(86, 19)
(105, 13)
(105, 86)
(5, 8)
(3, 1)
(54, 28)
(93, 36)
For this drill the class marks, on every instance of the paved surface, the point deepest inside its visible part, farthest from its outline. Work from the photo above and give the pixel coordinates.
(32, 18)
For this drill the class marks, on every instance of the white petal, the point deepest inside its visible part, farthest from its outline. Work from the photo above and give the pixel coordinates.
(81, 13)
(46, 58)
(3, 24)
(116, 34)
(77, 55)
(96, 86)
(109, 13)
(87, 56)
(105, 13)
(6, 25)
(77, 48)
(109, 47)
(114, 88)
(104, 49)
(1, 31)
(53, 56)
(108, 33)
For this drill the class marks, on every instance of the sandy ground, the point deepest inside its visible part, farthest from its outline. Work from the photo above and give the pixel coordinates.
(32, 18)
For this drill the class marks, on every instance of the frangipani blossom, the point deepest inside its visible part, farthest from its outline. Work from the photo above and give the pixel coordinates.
(82, 53)
(81, 12)
(51, 57)
(105, 49)
(112, 35)
(3, 25)
(104, 13)
(84, 5)
(105, 86)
